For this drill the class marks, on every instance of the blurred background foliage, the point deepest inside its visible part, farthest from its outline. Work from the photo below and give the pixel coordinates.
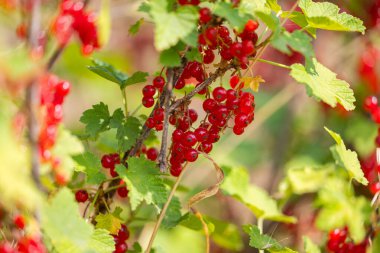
(288, 126)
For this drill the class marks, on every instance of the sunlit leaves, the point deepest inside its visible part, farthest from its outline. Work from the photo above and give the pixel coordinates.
(91, 166)
(143, 182)
(173, 214)
(326, 16)
(347, 158)
(96, 119)
(66, 229)
(323, 84)
(134, 29)
(309, 246)
(236, 184)
(109, 222)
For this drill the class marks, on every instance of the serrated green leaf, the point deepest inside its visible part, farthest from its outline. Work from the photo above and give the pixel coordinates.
(324, 85)
(309, 246)
(170, 57)
(171, 26)
(144, 183)
(91, 166)
(236, 184)
(108, 222)
(137, 77)
(128, 129)
(297, 40)
(102, 242)
(108, 72)
(173, 214)
(264, 242)
(347, 158)
(96, 119)
(326, 16)
(134, 29)
(300, 19)
(104, 23)
(190, 221)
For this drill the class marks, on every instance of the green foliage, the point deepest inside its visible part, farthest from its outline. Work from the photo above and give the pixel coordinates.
(108, 72)
(67, 231)
(135, 28)
(236, 19)
(264, 242)
(96, 119)
(326, 16)
(171, 25)
(173, 214)
(297, 40)
(108, 222)
(339, 207)
(309, 246)
(91, 166)
(225, 234)
(144, 182)
(323, 84)
(236, 184)
(347, 158)
(170, 57)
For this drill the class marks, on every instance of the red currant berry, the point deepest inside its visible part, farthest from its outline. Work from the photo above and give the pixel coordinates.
(159, 126)
(107, 162)
(180, 84)
(158, 114)
(251, 25)
(201, 134)
(150, 123)
(122, 191)
(149, 91)
(370, 103)
(223, 31)
(211, 34)
(19, 221)
(219, 94)
(148, 102)
(234, 81)
(205, 147)
(241, 120)
(208, 56)
(177, 135)
(205, 15)
(159, 82)
(238, 130)
(191, 155)
(209, 105)
(189, 139)
(121, 247)
(193, 115)
(152, 154)
(176, 170)
(248, 47)
(123, 233)
(81, 196)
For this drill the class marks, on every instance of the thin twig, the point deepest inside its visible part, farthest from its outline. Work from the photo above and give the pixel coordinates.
(164, 140)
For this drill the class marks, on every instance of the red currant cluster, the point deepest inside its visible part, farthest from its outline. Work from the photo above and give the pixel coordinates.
(150, 90)
(218, 37)
(338, 242)
(72, 17)
(371, 106)
(109, 161)
(188, 2)
(225, 105)
(25, 244)
(120, 240)
(53, 93)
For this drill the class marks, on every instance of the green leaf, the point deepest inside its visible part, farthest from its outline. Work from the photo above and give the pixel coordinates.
(137, 77)
(376, 244)
(300, 19)
(143, 182)
(226, 235)
(104, 23)
(326, 16)
(264, 242)
(297, 40)
(339, 208)
(347, 158)
(91, 166)
(67, 231)
(236, 184)
(108, 72)
(171, 26)
(235, 18)
(96, 119)
(194, 55)
(136, 248)
(309, 246)
(191, 221)
(109, 222)
(173, 214)
(102, 242)
(323, 84)
(134, 29)
(170, 57)
(127, 130)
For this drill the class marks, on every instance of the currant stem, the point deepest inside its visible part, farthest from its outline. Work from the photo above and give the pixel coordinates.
(260, 225)
(164, 209)
(125, 101)
(274, 63)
